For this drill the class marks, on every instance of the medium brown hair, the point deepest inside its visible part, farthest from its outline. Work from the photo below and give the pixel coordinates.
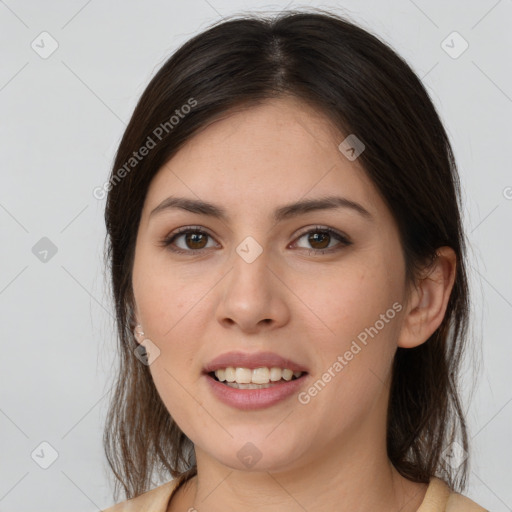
(364, 88)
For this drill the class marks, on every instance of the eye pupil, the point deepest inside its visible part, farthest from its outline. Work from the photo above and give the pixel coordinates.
(313, 238)
(195, 238)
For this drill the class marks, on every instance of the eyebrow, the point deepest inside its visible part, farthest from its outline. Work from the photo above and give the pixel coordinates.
(282, 213)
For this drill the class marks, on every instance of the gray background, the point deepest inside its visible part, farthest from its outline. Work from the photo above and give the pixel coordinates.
(61, 119)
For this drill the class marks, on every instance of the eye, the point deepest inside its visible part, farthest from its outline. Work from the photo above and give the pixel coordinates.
(193, 237)
(195, 240)
(320, 237)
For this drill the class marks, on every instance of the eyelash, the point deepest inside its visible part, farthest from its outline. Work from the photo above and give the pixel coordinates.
(345, 242)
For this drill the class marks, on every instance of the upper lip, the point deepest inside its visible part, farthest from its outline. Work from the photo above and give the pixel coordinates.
(252, 361)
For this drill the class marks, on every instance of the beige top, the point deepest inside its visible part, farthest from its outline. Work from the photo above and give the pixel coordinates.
(438, 498)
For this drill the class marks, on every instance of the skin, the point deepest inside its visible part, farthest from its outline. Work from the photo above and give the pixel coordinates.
(329, 454)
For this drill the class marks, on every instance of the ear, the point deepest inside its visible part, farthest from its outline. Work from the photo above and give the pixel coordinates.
(428, 300)
(138, 333)
(135, 326)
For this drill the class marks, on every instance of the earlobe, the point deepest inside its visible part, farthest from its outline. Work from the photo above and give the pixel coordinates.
(135, 326)
(138, 333)
(429, 300)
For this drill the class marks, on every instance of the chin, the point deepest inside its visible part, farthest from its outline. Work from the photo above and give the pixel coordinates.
(269, 453)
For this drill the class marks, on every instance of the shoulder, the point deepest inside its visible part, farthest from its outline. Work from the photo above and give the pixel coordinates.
(155, 500)
(440, 498)
(458, 503)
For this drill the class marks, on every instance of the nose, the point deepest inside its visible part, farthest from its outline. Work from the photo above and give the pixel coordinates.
(253, 297)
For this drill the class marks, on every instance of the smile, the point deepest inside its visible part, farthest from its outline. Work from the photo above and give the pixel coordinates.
(253, 396)
(257, 377)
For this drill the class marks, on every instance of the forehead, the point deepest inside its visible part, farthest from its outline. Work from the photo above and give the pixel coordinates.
(255, 157)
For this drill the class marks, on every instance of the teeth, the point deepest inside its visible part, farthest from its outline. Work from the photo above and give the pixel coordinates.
(248, 386)
(257, 376)
(287, 374)
(275, 374)
(229, 374)
(243, 375)
(260, 376)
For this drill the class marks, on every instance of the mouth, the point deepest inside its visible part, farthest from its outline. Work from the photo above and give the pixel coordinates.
(254, 381)
(257, 378)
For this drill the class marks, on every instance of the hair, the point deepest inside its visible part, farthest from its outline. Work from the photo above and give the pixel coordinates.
(364, 88)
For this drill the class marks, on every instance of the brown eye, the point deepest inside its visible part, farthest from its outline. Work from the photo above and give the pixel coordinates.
(190, 240)
(322, 239)
(195, 240)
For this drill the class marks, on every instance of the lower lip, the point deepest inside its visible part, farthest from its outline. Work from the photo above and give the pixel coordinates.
(251, 399)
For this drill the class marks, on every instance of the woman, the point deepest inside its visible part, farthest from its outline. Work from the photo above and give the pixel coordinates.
(288, 267)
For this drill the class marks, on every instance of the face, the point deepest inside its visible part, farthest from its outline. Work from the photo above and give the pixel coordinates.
(320, 288)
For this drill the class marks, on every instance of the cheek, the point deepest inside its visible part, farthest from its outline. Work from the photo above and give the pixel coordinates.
(168, 297)
(357, 312)
(171, 312)
(345, 300)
